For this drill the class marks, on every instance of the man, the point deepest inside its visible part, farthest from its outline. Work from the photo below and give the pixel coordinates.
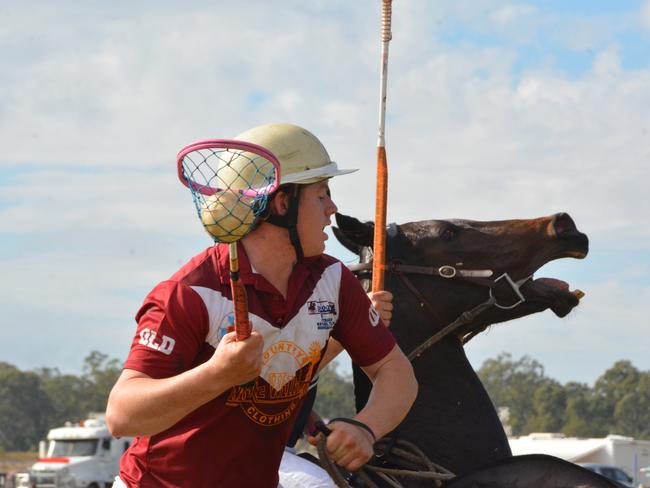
(211, 411)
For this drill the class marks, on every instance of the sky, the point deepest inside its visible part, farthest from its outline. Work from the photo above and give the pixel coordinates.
(495, 110)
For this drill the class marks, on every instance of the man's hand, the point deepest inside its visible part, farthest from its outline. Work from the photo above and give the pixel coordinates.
(383, 303)
(348, 445)
(238, 362)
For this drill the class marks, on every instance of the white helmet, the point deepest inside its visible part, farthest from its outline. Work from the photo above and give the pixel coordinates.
(303, 159)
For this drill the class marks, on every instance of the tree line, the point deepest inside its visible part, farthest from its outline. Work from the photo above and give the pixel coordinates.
(32, 402)
(618, 403)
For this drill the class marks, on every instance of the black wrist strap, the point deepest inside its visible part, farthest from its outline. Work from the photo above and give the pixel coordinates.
(357, 423)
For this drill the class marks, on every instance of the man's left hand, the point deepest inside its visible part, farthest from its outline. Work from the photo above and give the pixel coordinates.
(348, 445)
(383, 303)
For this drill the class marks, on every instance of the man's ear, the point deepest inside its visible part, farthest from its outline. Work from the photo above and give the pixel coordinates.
(280, 203)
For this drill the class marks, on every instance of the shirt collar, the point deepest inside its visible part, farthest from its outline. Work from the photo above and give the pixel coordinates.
(223, 258)
(303, 268)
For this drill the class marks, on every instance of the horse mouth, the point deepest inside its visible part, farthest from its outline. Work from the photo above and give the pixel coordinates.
(555, 293)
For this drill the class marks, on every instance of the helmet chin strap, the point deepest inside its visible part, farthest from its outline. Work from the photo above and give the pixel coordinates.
(290, 220)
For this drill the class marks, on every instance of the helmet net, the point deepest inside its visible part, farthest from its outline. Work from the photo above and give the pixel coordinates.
(231, 183)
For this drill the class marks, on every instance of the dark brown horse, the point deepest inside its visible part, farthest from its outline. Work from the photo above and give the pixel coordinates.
(437, 270)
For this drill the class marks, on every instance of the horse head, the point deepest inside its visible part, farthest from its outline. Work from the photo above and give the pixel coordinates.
(439, 269)
(481, 259)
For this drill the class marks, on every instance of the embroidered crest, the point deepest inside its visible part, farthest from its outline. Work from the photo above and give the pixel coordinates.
(326, 311)
(226, 325)
(373, 315)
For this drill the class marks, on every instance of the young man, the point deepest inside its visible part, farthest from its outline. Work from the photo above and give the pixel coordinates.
(211, 411)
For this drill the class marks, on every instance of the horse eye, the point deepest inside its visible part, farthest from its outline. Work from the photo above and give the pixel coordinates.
(448, 234)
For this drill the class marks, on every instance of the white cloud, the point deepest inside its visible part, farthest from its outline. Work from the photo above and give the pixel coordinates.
(513, 13)
(107, 98)
(607, 62)
(645, 14)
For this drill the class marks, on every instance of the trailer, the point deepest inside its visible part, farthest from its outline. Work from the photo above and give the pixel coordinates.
(631, 455)
(84, 455)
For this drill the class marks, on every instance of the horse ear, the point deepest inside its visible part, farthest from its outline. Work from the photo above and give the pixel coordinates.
(352, 233)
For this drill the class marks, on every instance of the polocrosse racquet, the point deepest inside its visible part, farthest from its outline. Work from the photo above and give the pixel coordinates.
(379, 245)
(231, 182)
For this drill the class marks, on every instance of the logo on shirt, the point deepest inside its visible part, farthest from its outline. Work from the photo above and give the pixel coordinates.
(326, 311)
(373, 316)
(164, 345)
(226, 325)
(288, 370)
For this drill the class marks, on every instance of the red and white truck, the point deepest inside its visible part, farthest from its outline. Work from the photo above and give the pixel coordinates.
(84, 455)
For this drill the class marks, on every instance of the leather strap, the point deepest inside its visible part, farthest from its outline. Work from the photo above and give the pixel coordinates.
(357, 423)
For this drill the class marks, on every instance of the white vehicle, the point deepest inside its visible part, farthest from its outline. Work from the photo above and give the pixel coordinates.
(626, 453)
(79, 456)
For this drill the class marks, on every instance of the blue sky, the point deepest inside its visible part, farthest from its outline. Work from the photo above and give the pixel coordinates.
(496, 110)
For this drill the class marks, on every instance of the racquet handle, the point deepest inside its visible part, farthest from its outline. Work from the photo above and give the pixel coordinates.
(379, 245)
(243, 326)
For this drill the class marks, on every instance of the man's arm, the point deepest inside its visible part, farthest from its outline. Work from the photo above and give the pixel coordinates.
(394, 389)
(142, 406)
(383, 303)
(393, 392)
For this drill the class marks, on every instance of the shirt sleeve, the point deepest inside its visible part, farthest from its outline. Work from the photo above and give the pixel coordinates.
(359, 327)
(172, 327)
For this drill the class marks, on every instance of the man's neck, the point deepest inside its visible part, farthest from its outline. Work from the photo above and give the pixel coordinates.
(271, 254)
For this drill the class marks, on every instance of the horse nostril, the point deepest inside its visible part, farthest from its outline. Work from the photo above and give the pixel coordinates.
(562, 224)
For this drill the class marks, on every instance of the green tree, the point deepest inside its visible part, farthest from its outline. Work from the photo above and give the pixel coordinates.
(549, 408)
(513, 384)
(68, 395)
(73, 397)
(335, 396)
(24, 409)
(578, 415)
(100, 373)
(609, 389)
(631, 414)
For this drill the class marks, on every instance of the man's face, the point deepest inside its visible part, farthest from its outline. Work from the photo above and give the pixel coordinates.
(316, 208)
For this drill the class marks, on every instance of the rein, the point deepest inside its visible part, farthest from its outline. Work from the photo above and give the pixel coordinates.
(479, 277)
(412, 462)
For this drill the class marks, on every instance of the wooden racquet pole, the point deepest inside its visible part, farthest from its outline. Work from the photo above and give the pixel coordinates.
(379, 245)
(243, 327)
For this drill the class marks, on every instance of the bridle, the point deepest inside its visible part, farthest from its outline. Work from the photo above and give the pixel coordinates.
(480, 277)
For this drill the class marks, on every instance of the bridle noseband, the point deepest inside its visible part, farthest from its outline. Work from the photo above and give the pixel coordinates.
(481, 277)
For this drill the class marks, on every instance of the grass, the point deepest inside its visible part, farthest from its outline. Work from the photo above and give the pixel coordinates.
(12, 462)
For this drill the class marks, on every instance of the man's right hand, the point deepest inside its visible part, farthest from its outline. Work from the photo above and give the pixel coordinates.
(238, 362)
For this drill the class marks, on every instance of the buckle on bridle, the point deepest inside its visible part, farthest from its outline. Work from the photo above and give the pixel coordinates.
(447, 271)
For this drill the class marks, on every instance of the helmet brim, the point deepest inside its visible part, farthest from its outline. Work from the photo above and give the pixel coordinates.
(315, 175)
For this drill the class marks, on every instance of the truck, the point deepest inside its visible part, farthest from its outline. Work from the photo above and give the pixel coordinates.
(627, 453)
(83, 455)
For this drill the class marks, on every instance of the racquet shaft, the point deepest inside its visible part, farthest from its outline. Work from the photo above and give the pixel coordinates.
(379, 245)
(243, 327)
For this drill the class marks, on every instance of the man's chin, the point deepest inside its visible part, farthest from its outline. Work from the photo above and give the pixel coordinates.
(315, 251)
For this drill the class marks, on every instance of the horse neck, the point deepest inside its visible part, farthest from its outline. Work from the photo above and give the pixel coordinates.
(453, 419)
